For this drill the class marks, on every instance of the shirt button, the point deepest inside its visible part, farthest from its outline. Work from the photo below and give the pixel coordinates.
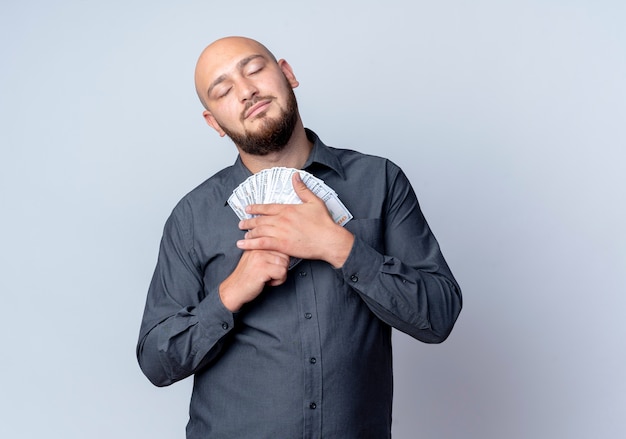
(224, 326)
(312, 406)
(313, 360)
(354, 278)
(308, 315)
(302, 274)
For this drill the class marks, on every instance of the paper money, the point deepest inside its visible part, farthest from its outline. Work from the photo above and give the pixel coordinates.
(273, 186)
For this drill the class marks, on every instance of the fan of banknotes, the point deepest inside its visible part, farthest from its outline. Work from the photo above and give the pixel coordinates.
(273, 186)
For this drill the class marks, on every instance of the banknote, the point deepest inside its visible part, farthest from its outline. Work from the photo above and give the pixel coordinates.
(274, 186)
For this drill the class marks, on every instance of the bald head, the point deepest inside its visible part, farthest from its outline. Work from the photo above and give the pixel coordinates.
(220, 54)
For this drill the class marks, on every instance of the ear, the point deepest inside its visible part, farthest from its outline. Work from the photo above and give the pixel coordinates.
(210, 120)
(288, 72)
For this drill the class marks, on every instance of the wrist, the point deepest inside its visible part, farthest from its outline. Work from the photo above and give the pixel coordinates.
(227, 299)
(340, 248)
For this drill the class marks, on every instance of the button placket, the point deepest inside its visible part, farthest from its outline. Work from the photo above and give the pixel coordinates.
(311, 347)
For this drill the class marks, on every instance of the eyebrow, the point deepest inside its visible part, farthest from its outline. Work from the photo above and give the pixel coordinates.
(240, 65)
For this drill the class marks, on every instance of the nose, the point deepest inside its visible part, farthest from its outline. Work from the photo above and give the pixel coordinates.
(247, 90)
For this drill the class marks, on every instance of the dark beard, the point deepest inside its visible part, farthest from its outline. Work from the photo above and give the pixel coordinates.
(273, 134)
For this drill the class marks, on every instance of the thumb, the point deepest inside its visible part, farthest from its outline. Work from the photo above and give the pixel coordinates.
(303, 192)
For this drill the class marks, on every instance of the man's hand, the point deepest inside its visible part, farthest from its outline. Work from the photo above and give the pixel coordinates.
(304, 230)
(254, 270)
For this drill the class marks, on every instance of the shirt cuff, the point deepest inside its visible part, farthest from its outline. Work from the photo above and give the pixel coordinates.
(362, 265)
(214, 317)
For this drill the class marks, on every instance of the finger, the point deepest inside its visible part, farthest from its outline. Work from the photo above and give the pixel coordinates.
(263, 209)
(278, 277)
(253, 223)
(262, 243)
(256, 229)
(280, 268)
(247, 224)
(301, 189)
(276, 282)
(279, 258)
(276, 266)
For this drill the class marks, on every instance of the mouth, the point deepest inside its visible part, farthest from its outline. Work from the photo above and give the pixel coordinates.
(257, 108)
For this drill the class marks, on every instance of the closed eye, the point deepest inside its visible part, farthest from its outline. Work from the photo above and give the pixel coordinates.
(224, 92)
(254, 67)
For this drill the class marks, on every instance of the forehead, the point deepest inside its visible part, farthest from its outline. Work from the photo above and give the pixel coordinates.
(224, 56)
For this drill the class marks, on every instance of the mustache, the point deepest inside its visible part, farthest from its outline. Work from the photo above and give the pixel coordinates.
(255, 101)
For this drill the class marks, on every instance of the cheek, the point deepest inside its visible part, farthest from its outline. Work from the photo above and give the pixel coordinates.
(228, 114)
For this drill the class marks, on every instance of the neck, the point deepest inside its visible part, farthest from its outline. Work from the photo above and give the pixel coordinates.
(293, 155)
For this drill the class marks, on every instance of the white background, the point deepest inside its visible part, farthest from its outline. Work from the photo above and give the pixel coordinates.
(508, 116)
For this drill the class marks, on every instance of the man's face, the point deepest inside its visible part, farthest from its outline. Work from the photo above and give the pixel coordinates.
(271, 133)
(248, 95)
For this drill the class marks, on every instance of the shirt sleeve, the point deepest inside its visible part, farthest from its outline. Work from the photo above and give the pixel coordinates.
(406, 282)
(183, 328)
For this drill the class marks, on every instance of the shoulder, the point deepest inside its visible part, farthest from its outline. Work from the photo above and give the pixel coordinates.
(208, 195)
(359, 163)
(346, 159)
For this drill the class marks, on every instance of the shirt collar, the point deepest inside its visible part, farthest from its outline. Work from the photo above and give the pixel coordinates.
(322, 155)
(240, 172)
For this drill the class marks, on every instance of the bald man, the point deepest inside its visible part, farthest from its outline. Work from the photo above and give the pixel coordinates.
(278, 352)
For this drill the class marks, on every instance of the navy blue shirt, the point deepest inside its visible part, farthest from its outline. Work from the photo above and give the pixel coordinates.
(310, 358)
